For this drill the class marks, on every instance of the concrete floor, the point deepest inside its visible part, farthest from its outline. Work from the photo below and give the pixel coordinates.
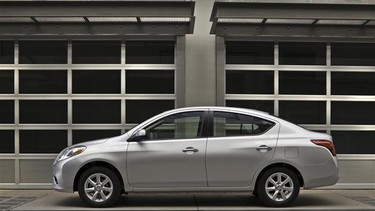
(307, 200)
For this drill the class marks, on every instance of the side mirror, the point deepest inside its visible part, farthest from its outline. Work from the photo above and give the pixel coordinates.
(138, 136)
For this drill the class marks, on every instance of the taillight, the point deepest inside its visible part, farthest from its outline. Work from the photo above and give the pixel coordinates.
(327, 144)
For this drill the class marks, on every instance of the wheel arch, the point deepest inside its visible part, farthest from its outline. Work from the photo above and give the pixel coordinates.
(285, 165)
(102, 164)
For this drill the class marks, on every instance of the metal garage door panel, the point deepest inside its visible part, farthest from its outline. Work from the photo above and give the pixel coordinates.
(35, 171)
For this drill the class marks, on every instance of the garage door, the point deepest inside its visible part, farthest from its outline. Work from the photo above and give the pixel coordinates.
(327, 87)
(55, 93)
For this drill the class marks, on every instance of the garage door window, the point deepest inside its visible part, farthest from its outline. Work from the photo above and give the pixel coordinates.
(42, 141)
(249, 52)
(96, 81)
(353, 54)
(302, 82)
(150, 52)
(150, 82)
(6, 81)
(43, 81)
(7, 141)
(43, 111)
(360, 83)
(140, 110)
(96, 52)
(6, 52)
(43, 52)
(249, 82)
(6, 111)
(302, 53)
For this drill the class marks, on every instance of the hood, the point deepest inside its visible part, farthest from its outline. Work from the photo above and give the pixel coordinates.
(93, 142)
(101, 141)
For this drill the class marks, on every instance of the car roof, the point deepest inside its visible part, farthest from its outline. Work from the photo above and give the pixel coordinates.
(221, 108)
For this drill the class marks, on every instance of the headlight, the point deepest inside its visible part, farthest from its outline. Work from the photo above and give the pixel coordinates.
(70, 152)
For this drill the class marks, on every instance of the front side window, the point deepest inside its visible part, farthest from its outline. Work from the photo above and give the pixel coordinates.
(232, 124)
(177, 126)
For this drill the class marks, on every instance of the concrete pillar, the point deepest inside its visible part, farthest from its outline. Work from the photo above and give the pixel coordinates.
(200, 78)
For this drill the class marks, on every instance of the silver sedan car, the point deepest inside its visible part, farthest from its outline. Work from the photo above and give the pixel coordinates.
(200, 149)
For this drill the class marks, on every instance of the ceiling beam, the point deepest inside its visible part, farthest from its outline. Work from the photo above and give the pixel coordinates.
(17, 11)
(290, 32)
(66, 30)
(97, 8)
(290, 10)
(337, 29)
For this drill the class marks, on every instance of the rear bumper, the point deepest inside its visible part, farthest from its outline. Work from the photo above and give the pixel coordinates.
(321, 175)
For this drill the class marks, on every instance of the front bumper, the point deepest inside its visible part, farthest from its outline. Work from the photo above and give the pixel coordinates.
(63, 175)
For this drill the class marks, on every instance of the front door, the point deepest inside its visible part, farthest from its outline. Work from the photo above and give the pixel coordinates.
(239, 145)
(171, 155)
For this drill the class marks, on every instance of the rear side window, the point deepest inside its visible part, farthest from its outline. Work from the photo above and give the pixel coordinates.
(233, 124)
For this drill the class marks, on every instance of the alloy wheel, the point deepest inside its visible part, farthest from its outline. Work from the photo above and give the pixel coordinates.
(98, 187)
(279, 187)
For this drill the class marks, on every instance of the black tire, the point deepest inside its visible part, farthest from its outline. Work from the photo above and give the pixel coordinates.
(100, 188)
(278, 194)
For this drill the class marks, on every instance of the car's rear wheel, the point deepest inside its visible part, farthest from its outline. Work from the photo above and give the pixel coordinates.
(99, 187)
(278, 187)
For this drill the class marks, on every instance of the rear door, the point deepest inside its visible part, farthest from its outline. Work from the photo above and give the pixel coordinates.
(238, 146)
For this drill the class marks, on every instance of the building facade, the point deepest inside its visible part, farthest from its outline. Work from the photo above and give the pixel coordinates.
(72, 71)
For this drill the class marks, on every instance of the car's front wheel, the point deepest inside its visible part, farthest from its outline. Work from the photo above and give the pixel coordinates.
(99, 187)
(278, 187)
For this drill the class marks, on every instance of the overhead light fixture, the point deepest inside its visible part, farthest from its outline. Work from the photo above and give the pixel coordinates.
(165, 19)
(340, 22)
(111, 19)
(16, 20)
(240, 20)
(60, 19)
(289, 21)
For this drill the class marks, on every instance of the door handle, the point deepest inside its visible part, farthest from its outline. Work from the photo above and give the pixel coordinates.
(264, 148)
(190, 150)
